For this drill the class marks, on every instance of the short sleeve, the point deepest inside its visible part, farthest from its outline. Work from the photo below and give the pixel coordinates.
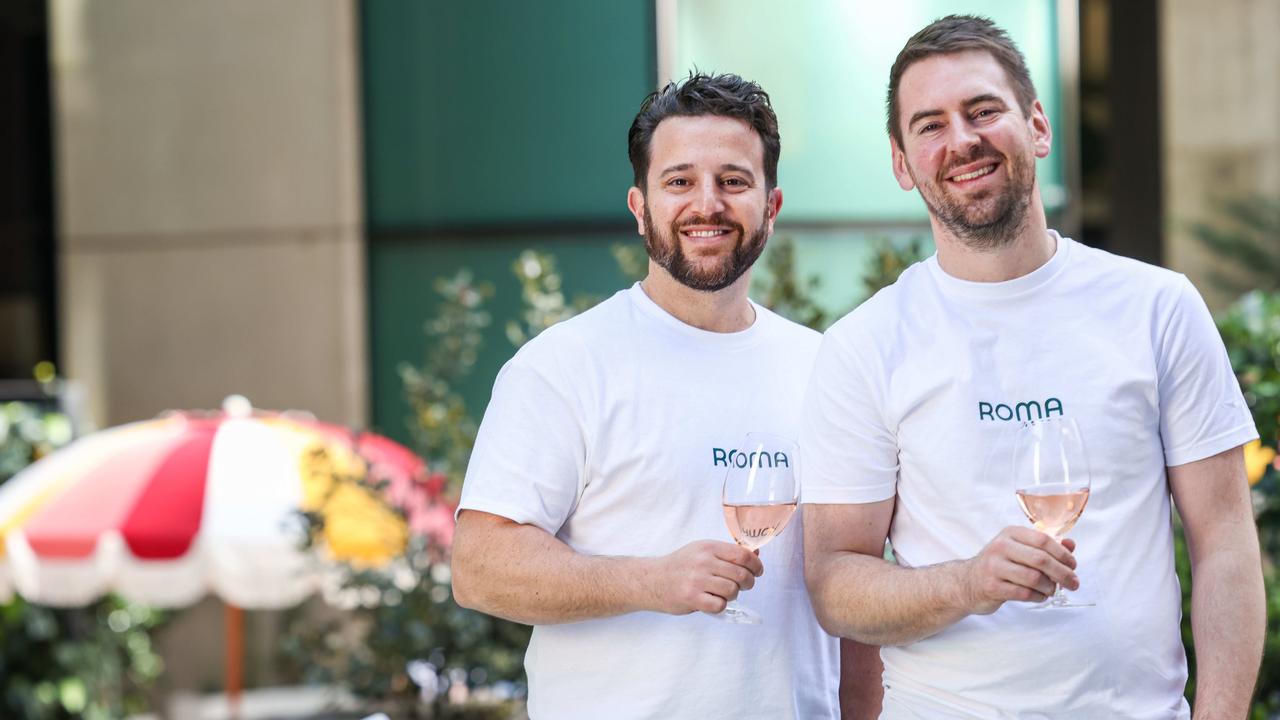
(848, 453)
(529, 458)
(1202, 411)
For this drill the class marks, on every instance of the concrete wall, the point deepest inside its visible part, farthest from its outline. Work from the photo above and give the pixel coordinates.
(1220, 102)
(209, 205)
(210, 219)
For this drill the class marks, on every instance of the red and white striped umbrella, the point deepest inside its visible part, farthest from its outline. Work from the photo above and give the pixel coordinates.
(164, 511)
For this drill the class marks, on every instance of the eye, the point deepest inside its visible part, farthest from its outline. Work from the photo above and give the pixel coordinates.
(678, 182)
(928, 128)
(735, 183)
(985, 113)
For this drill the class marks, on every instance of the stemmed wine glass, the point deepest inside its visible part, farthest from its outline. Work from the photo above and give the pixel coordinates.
(1051, 479)
(760, 496)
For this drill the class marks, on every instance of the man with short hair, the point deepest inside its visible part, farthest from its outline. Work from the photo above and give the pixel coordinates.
(915, 392)
(592, 502)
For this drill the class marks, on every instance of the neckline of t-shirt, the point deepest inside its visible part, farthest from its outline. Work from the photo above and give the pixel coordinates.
(1005, 289)
(729, 340)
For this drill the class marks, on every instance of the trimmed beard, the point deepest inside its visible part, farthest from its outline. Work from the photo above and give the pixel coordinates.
(1007, 216)
(665, 250)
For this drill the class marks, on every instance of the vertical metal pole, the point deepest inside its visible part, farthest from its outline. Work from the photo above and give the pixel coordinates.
(233, 624)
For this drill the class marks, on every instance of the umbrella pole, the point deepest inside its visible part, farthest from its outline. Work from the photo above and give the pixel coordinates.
(233, 624)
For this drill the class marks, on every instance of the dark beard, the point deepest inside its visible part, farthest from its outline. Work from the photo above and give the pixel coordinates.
(665, 250)
(1005, 220)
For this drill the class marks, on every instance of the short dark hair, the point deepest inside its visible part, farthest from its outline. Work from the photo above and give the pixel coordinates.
(705, 94)
(958, 33)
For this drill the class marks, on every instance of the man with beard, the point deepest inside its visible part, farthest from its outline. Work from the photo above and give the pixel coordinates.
(592, 503)
(916, 394)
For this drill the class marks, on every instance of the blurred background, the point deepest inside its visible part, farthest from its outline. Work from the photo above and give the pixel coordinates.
(360, 209)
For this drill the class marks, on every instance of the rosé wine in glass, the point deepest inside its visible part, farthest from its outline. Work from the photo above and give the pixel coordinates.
(760, 496)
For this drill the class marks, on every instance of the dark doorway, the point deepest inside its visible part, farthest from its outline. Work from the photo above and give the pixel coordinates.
(1120, 127)
(27, 276)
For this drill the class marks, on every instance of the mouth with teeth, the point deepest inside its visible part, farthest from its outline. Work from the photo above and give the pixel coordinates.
(705, 234)
(972, 175)
(707, 230)
(972, 171)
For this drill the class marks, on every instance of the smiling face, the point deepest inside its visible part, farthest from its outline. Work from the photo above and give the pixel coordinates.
(705, 213)
(968, 147)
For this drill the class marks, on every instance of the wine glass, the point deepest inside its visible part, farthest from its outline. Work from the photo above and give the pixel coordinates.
(1051, 480)
(760, 496)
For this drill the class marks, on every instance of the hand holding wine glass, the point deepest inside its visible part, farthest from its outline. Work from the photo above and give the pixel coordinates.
(1051, 481)
(1020, 564)
(760, 496)
(699, 577)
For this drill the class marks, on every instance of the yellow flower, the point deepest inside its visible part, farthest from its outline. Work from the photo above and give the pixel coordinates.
(1256, 459)
(359, 526)
(361, 529)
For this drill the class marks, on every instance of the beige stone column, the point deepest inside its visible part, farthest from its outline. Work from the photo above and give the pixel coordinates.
(209, 205)
(1221, 102)
(209, 214)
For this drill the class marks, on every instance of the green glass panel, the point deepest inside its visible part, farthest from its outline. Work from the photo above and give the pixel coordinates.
(839, 259)
(501, 111)
(825, 63)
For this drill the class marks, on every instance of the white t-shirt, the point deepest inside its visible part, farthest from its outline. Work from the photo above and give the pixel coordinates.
(914, 394)
(609, 431)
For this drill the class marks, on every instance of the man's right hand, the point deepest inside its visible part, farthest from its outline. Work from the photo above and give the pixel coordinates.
(523, 573)
(701, 576)
(1021, 564)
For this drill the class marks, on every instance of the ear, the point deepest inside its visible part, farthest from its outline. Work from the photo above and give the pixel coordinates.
(773, 206)
(1041, 133)
(635, 203)
(900, 166)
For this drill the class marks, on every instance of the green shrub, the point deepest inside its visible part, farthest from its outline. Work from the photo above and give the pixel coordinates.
(94, 662)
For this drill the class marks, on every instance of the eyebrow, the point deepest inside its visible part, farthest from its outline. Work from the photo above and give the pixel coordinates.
(975, 100)
(738, 168)
(676, 168)
(730, 167)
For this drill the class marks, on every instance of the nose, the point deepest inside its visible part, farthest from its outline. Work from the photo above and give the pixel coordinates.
(962, 137)
(709, 199)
